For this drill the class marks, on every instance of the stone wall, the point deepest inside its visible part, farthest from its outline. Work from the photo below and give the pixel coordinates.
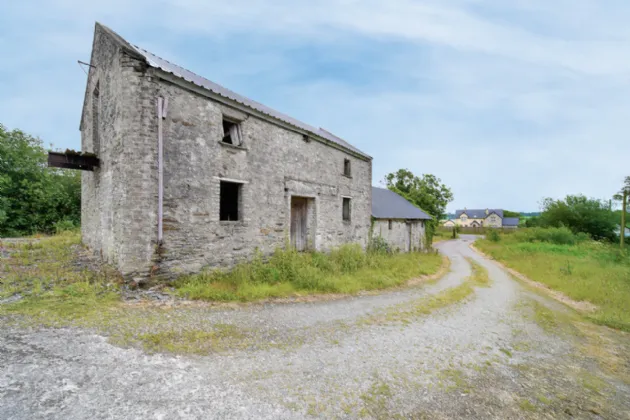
(119, 213)
(493, 220)
(117, 198)
(273, 164)
(398, 236)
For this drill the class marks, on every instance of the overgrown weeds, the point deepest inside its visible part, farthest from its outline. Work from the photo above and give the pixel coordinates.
(346, 270)
(48, 283)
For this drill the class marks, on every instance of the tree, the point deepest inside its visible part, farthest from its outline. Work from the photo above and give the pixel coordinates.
(426, 192)
(580, 214)
(623, 195)
(33, 197)
(507, 213)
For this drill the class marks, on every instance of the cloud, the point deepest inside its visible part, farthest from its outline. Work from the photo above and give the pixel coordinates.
(507, 102)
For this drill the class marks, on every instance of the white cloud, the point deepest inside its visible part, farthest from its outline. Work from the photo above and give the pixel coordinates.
(487, 94)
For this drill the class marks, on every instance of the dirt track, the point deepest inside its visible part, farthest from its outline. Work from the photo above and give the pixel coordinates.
(505, 352)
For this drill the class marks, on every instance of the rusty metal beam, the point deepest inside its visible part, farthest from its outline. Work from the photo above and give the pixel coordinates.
(72, 161)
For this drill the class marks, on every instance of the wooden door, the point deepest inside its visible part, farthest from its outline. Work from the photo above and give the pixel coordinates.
(298, 223)
(409, 236)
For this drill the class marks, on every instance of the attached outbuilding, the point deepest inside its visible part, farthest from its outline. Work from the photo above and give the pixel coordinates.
(510, 222)
(401, 224)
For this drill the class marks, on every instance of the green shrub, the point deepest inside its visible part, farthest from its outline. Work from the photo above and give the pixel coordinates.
(493, 235)
(559, 236)
(34, 197)
(378, 245)
(582, 237)
(580, 214)
(64, 226)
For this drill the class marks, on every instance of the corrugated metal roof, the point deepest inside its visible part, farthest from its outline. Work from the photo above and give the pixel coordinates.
(168, 67)
(387, 204)
(478, 213)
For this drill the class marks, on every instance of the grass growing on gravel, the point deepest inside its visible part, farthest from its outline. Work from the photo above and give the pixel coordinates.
(42, 274)
(479, 274)
(582, 269)
(346, 270)
(221, 337)
(405, 312)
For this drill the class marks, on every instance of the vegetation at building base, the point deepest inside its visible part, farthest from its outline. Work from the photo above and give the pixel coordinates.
(48, 279)
(345, 270)
(426, 192)
(581, 268)
(33, 197)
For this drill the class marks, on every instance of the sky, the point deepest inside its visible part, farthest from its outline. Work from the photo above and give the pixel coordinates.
(506, 102)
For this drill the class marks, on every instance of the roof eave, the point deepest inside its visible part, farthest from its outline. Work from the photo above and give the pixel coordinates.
(193, 87)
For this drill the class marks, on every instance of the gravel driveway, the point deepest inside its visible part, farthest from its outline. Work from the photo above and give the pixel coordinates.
(503, 353)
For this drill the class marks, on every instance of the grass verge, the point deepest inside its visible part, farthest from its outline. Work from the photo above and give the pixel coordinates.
(584, 271)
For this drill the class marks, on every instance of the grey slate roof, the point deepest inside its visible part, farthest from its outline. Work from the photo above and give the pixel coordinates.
(168, 67)
(387, 204)
(478, 213)
(510, 221)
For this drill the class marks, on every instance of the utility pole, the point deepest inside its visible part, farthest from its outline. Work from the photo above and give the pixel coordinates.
(622, 231)
(623, 196)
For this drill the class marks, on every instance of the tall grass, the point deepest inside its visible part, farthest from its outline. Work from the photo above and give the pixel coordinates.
(582, 269)
(347, 269)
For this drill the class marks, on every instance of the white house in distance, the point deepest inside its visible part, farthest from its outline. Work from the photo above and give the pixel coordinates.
(476, 218)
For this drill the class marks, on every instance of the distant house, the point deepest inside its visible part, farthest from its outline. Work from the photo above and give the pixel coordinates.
(482, 218)
(449, 223)
(401, 224)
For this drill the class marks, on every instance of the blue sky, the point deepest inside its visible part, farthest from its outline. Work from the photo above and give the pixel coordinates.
(506, 101)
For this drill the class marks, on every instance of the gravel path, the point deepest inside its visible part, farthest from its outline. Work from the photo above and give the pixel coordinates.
(490, 356)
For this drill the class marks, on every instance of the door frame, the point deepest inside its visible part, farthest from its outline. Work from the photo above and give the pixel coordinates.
(298, 227)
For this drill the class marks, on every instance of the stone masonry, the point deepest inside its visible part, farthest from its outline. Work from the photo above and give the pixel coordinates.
(274, 163)
(402, 233)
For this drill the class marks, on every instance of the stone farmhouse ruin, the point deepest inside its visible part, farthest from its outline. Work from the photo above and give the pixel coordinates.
(182, 173)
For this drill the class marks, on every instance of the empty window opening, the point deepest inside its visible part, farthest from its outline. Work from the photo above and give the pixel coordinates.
(230, 199)
(96, 139)
(232, 133)
(390, 225)
(346, 167)
(346, 209)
